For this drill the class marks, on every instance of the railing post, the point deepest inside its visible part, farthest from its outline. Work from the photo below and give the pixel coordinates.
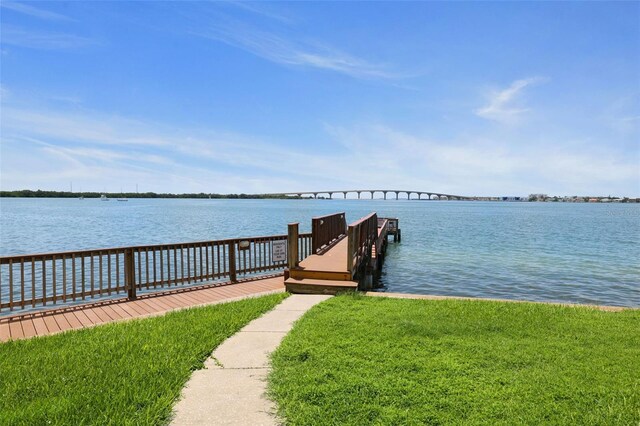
(292, 246)
(130, 274)
(350, 249)
(232, 262)
(344, 224)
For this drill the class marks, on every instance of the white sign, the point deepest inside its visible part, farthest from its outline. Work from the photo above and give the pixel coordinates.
(279, 251)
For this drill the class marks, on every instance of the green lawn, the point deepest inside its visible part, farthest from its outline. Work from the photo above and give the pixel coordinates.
(364, 360)
(122, 373)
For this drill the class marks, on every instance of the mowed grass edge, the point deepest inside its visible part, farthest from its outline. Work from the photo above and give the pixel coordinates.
(356, 360)
(121, 373)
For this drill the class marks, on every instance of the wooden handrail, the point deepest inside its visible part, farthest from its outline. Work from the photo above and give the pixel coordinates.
(327, 231)
(383, 224)
(35, 280)
(362, 235)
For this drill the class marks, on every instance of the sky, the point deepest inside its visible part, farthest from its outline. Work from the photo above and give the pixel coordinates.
(479, 98)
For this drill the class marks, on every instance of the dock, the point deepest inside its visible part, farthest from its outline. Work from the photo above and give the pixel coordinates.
(343, 258)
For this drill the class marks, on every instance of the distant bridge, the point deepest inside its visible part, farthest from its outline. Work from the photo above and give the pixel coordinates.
(429, 195)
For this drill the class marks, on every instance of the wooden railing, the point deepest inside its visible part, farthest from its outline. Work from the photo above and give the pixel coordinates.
(327, 230)
(393, 224)
(362, 235)
(383, 226)
(40, 280)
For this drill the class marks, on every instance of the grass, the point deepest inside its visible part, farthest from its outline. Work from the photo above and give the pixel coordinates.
(364, 360)
(122, 373)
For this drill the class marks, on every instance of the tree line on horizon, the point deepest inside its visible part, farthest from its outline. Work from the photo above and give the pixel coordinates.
(28, 193)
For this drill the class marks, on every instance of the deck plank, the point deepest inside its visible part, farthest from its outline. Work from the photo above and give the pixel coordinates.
(93, 317)
(128, 309)
(113, 314)
(123, 313)
(40, 326)
(15, 327)
(52, 325)
(28, 328)
(102, 314)
(83, 318)
(72, 319)
(5, 334)
(62, 322)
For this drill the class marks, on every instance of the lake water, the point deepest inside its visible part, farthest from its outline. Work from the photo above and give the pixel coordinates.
(581, 253)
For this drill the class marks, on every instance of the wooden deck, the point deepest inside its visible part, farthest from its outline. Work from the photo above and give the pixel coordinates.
(325, 273)
(334, 260)
(69, 318)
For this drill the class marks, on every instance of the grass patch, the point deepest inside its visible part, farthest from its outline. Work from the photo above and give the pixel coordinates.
(121, 373)
(364, 360)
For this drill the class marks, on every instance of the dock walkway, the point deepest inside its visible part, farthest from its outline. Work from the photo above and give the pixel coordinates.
(88, 315)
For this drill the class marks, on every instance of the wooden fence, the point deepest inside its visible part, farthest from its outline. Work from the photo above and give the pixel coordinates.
(41, 280)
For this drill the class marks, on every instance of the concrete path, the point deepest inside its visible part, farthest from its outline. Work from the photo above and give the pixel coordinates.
(230, 389)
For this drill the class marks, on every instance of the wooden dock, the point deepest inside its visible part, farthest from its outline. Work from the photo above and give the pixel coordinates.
(50, 292)
(344, 258)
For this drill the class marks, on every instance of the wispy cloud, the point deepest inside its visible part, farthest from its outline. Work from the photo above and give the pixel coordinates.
(42, 40)
(292, 51)
(260, 9)
(473, 165)
(89, 128)
(623, 115)
(105, 150)
(502, 104)
(34, 11)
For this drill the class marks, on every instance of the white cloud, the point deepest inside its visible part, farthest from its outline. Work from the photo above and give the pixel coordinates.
(623, 115)
(91, 128)
(20, 37)
(502, 104)
(485, 166)
(34, 11)
(290, 51)
(260, 9)
(230, 162)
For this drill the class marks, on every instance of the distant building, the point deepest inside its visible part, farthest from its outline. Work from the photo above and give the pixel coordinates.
(538, 197)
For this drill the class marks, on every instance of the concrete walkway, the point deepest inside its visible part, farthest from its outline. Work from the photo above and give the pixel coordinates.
(230, 389)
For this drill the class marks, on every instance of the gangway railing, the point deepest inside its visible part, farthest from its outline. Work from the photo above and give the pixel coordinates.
(327, 231)
(362, 235)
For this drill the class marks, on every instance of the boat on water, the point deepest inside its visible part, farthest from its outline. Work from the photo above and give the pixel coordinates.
(103, 198)
(122, 197)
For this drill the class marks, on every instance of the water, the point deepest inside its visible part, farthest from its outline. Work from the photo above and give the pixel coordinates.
(580, 253)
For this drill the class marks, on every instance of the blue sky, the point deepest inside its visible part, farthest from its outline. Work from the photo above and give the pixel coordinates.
(466, 98)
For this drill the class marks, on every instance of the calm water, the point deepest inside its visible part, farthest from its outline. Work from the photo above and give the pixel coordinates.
(583, 253)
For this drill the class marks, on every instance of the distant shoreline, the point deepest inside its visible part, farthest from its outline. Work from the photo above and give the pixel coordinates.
(27, 193)
(66, 194)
